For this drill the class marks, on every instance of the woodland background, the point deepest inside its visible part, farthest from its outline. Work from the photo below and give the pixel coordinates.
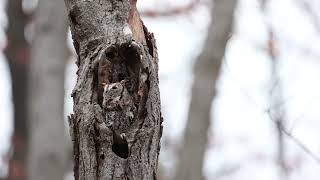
(271, 49)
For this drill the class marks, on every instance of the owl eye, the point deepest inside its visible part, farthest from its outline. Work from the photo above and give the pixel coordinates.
(112, 87)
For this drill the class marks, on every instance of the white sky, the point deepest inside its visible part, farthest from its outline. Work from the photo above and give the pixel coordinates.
(244, 142)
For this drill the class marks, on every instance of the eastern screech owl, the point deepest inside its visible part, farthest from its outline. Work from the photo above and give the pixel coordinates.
(111, 96)
(119, 106)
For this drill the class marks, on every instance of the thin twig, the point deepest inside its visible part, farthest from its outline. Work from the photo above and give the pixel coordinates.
(294, 139)
(306, 7)
(173, 11)
(268, 112)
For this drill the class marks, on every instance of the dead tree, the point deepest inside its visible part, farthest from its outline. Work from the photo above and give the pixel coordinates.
(116, 125)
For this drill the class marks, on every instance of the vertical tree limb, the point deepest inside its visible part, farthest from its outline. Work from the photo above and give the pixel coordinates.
(17, 53)
(206, 72)
(47, 155)
(276, 110)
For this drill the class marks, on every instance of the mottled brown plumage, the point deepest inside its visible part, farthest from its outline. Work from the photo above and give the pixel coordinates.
(119, 106)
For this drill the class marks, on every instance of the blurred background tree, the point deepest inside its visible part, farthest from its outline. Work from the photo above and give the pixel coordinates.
(206, 72)
(18, 56)
(37, 88)
(47, 152)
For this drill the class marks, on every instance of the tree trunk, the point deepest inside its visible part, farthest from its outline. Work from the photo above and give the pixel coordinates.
(47, 155)
(206, 71)
(17, 53)
(116, 125)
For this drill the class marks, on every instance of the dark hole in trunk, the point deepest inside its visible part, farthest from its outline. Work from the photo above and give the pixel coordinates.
(120, 146)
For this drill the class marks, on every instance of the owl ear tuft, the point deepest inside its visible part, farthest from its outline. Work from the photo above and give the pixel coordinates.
(105, 88)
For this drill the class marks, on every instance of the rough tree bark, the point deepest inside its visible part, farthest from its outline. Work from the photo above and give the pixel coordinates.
(17, 53)
(47, 153)
(116, 125)
(206, 72)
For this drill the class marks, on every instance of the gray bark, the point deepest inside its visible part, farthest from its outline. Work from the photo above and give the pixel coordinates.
(206, 72)
(47, 153)
(116, 125)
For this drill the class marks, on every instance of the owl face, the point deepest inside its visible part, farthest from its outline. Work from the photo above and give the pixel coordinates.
(112, 94)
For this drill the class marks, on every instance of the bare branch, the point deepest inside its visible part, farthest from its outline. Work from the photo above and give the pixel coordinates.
(172, 12)
(307, 8)
(268, 112)
(294, 139)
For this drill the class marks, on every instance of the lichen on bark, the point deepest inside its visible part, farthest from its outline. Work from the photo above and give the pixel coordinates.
(116, 125)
